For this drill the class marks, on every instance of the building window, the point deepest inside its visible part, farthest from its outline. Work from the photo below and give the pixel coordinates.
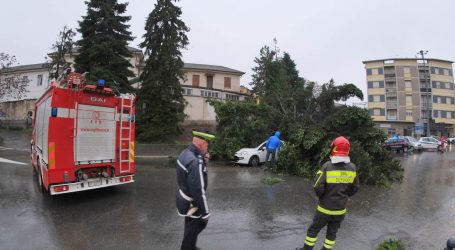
(227, 82)
(369, 72)
(408, 113)
(435, 99)
(376, 85)
(443, 114)
(409, 100)
(407, 70)
(435, 113)
(377, 112)
(187, 91)
(210, 94)
(446, 72)
(39, 80)
(408, 84)
(232, 97)
(449, 115)
(196, 80)
(443, 100)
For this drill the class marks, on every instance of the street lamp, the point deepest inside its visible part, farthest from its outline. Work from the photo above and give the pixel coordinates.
(422, 53)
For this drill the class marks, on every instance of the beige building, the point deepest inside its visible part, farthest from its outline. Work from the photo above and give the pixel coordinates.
(405, 94)
(202, 82)
(209, 81)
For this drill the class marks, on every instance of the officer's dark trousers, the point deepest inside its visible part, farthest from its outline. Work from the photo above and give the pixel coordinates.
(193, 227)
(320, 220)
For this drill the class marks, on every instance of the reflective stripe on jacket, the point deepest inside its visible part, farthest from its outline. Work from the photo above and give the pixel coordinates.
(334, 184)
(192, 182)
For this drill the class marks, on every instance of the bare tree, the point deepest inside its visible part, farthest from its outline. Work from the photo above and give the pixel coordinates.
(12, 83)
(64, 45)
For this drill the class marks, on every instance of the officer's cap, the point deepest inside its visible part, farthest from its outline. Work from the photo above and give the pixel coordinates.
(205, 136)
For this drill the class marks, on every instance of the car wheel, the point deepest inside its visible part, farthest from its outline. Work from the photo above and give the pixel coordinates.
(254, 161)
(439, 148)
(411, 149)
(39, 175)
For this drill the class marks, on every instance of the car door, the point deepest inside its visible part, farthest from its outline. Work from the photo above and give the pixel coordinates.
(433, 142)
(425, 143)
(262, 152)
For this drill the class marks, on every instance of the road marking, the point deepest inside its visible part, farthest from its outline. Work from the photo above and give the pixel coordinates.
(3, 148)
(10, 161)
(151, 156)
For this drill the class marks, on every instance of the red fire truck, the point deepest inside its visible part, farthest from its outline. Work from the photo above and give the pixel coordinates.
(83, 136)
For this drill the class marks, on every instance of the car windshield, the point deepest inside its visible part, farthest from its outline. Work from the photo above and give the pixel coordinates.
(411, 139)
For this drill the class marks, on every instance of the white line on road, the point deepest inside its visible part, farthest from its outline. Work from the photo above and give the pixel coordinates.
(151, 156)
(3, 148)
(10, 161)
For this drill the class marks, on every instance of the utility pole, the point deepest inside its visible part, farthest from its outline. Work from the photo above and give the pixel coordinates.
(422, 53)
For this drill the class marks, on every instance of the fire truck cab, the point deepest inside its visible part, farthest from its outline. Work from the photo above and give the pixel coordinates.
(83, 137)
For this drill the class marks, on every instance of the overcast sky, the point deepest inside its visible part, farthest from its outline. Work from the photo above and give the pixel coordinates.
(327, 39)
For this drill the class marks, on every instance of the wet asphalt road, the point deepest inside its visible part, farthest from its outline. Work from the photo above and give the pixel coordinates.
(247, 214)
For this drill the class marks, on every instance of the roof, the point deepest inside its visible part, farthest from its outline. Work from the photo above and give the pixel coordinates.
(36, 66)
(208, 67)
(131, 49)
(401, 59)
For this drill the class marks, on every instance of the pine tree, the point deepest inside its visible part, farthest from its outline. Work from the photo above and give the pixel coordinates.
(64, 45)
(103, 48)
(161, 103)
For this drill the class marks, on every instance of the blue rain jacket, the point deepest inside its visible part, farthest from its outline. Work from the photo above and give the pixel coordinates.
(273, 143)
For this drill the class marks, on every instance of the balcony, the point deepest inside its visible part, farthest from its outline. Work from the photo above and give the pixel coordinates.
(391, 105)
(426, 106)
(390, 89)
(391, 94)
(425, 90)
(392, 117)
(390, 75)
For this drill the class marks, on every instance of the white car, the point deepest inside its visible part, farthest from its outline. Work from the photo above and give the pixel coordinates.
(415, 145)
(252, 156)
(430, 142)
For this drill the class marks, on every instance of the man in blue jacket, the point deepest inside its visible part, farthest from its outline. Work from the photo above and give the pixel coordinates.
(192, 182)
(272, 146)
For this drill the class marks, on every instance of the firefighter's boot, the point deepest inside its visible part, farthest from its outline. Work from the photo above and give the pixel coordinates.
(305, 247)
(328, 244)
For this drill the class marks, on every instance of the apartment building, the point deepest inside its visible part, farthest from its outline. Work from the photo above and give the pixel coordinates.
(408, 94)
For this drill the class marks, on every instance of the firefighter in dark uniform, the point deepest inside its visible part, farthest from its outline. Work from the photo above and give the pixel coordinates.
(192, 181)
(335, 182)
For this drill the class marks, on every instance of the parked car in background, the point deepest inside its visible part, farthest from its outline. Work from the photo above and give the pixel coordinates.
(398, 144)
(451, 140)
(415, 144)
(430, 143)
(252, 156)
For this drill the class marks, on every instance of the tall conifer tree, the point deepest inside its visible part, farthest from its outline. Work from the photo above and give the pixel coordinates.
(103, 48)
(161, 103)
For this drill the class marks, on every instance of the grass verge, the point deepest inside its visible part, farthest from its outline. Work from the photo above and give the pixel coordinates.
(272, 180)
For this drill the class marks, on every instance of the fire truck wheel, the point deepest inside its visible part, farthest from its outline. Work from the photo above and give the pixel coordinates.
(40, 176)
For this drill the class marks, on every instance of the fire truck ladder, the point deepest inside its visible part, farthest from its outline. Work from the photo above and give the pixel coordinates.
(125, 110)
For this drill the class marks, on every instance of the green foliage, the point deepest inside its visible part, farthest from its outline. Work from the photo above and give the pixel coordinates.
(309, 120)
(161, 103)
(103, 48)
(391, 244)
(272, 180)
(240, 124)
(64, 45)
